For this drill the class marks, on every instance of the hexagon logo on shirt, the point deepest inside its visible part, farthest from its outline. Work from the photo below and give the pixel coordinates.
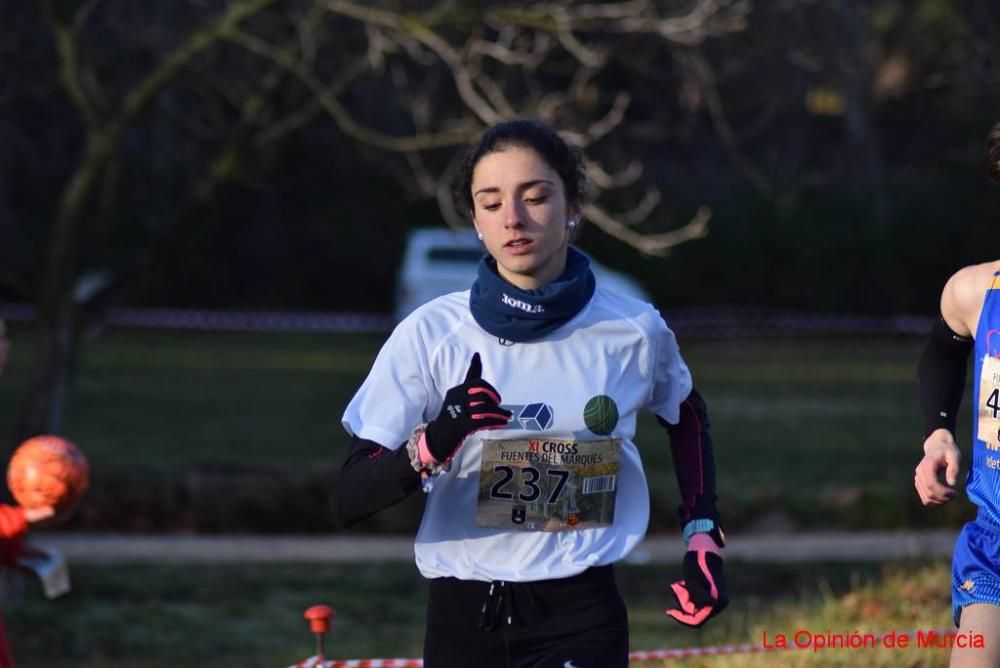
(531, 417)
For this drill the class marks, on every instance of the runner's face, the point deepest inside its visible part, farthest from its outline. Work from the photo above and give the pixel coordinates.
(521, 212)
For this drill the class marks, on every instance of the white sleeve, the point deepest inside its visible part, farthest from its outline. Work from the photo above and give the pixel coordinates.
(394, 397)
(671, 380)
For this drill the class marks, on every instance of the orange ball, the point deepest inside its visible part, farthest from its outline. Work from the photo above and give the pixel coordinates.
(48, 471)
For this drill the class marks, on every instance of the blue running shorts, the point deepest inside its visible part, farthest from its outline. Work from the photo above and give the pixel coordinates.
(975, 566)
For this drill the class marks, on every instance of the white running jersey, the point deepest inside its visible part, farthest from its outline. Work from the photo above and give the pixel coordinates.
(615, 346)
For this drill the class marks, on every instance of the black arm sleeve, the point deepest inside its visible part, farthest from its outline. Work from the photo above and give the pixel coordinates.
(694, 460)
(372, 478)
(941, 376)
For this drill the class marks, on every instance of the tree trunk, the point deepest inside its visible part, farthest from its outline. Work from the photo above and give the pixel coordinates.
(866, 161)
(55, 360)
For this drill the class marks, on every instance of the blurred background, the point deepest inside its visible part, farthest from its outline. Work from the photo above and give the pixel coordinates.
(205, 207)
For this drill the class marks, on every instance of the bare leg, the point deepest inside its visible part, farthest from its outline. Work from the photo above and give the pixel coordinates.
(985, 619)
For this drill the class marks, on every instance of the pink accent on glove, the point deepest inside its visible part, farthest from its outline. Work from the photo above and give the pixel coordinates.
(689, 614)
(702, 542)
(426, 458)
(485, 390)
(703, 565)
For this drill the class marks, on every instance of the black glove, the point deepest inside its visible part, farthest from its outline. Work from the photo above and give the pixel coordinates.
(467, 408)
(702, 593)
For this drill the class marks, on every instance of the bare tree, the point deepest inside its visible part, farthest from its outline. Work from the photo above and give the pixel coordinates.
(445, 71)
(103, 125)
(545, 60)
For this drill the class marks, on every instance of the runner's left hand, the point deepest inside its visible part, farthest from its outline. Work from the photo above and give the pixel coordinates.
(702, 593)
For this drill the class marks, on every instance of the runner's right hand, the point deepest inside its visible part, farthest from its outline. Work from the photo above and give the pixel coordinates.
(940, 452)
(470, 407)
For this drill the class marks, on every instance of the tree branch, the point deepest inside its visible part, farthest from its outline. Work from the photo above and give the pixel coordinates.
(433, 41)
(606, 181)
(564, 33)
(650, 244)
(611, 120)
(707, 18)
(643, 209)
(103, 139)
(293, 122)
(715, 109)
(506, 55)
(69, 66)
(140, 96)
(332, 106)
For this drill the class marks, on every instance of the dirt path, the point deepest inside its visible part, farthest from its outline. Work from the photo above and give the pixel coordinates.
(80, 548)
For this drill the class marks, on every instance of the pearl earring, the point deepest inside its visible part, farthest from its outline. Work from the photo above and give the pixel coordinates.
(480, 235)
(571, 224)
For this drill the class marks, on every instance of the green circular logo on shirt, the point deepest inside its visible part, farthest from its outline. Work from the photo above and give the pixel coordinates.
(601, 414)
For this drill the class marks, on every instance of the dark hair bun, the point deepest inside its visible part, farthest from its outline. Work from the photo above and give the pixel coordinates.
(993, 150)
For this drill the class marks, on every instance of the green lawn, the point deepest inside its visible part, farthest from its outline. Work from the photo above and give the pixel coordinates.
(251, 615)
(242, 431)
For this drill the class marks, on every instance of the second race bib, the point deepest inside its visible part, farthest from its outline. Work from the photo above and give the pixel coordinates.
(988, 418)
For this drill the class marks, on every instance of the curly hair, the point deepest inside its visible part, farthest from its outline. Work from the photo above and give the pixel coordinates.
(527, 133)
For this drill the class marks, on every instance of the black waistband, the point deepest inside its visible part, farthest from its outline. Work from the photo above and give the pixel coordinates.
(489, 605)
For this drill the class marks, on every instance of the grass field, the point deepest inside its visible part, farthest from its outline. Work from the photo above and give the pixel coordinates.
(220, 432)
(179, 425)
(154, 617)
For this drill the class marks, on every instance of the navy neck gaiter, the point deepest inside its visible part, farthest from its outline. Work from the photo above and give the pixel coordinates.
(508, 312)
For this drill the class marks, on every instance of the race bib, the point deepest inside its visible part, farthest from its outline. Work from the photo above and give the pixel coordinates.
(548, 484)
(988, 419)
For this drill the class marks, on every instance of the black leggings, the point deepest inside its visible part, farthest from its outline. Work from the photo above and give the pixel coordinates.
(576, 622)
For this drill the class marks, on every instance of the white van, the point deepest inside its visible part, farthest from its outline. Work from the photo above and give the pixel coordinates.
(438, 261)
